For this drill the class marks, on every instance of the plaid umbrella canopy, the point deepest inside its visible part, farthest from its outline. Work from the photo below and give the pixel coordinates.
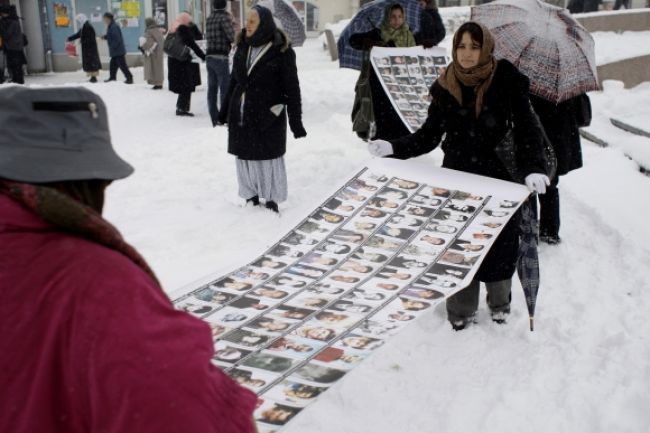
(368, 17)
(289, 19)
(546, 43)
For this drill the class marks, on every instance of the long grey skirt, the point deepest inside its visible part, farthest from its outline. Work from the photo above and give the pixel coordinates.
(266, 179)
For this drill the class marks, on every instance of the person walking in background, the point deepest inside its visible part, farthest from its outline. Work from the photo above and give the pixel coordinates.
(90, 61)
(184, 75)
(592, 5)
(561, 123)
(264, 87)
(13, 42)
(220, 35)
(432, 30)
(116, 49)
(393, 32)
(107, 351)
(152, 48)
(471, 107)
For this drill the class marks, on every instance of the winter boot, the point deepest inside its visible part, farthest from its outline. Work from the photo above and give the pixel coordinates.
(273, 206)
(129, 80)
(550, 239)
(180, 112)
(93, 79)
(157, 87)
(500, 317)
(460, 324)
(255, 201)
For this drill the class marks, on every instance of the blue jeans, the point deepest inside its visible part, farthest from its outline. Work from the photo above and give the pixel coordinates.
(218, 81)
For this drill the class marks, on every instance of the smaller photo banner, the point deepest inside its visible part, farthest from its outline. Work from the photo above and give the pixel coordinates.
(406, 75)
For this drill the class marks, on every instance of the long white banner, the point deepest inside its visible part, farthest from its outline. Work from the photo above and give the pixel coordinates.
(389, 244)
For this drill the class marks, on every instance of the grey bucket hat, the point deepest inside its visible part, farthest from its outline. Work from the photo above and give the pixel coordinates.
(56, 134)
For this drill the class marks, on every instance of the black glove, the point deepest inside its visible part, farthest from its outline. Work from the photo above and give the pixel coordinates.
(298, 130)
(428, 43)
(367, 43)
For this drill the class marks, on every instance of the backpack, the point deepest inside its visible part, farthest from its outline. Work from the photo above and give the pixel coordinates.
(176, 49)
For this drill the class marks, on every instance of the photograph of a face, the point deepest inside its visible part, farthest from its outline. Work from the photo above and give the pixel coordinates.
(377, 254)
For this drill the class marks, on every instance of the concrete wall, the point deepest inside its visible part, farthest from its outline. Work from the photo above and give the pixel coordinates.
(634, 20)
(630, 71)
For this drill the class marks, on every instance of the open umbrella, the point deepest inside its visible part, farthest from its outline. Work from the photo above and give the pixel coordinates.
(288, 18)
(370, 16)
(546, 43)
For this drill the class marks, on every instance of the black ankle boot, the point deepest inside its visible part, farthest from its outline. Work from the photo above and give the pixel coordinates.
(255, 201)
(93, 79)
(271, 205)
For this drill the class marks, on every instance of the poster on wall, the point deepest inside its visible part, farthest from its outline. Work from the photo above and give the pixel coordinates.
(392, 242)
(61, 17)
(407, 74)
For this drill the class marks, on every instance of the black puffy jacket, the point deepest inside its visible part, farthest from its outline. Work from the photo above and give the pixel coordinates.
(272, 82)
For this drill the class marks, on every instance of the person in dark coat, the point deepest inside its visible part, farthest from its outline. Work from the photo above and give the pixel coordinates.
(576, 6)
(13, 41)
(184, 75)
(90, 61)
(432, 30)
(562, 128)
(90, 342)
(472, 104)
(394, 32)
(263, 90)
(592, 5)
(116, 49)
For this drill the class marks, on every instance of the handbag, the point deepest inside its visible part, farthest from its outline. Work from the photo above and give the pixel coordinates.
(506, 150)
(363, 115)
(71, 49)
(176, 49)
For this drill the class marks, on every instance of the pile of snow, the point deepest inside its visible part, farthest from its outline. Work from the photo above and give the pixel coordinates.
(612, 46)
(585, 368)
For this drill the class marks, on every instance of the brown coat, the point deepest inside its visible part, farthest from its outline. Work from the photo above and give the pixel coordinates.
(154, 72)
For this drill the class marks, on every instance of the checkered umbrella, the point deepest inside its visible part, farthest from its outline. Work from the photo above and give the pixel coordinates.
(288, 17)
(371, 16)
(546, 43)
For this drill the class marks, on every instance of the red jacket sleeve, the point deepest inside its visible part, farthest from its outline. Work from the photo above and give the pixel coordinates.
(149, 369)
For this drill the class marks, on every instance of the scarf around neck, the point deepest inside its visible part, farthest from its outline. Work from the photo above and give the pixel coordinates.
(478, 77)
(402, 36)
(71, 216)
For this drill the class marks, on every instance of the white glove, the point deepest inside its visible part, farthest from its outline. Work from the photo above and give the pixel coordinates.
(380, 148)
(537, 182)
(141, 41)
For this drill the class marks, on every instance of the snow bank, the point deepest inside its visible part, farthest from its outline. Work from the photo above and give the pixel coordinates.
(612, 47)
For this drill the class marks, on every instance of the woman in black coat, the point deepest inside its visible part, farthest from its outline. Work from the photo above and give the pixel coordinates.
(184, 75)
(562, 128)
(432, 30)
(90, 61)
(473, 104)
(263, 89)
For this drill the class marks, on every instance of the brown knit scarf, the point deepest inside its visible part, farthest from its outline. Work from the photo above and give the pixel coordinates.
(72, 216)
(478, 77)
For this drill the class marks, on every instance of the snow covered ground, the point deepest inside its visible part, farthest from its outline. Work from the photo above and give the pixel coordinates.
(584, 369)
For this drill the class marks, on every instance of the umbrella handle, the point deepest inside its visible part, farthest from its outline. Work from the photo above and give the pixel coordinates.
(531, 322)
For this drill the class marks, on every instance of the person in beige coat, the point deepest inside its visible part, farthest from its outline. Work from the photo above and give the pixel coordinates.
(152, 49)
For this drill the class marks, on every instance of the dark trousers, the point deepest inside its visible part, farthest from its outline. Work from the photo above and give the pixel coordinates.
(15, 61)
(621, 3)
(463, 305)
(549, 203)
(184, 101)
(218, 82)
(119, 62)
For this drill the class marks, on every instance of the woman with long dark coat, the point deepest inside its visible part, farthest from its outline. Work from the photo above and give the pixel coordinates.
(393, 32)
(562, 127)
(473, 103)
(263, 89)
(90, 61)
(184, 75)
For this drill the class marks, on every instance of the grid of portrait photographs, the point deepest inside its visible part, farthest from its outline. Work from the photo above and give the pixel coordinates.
(372, 258)
(407, 74)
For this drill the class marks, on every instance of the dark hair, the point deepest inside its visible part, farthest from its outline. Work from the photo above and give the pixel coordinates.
(474, 30)
(109, 16)
(396, 6)
(430, 4)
